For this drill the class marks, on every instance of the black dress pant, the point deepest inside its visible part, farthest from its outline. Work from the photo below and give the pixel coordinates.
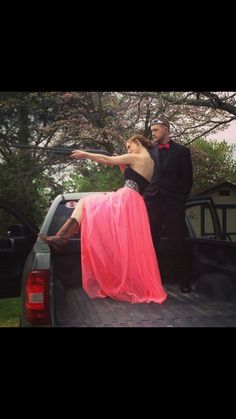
(168, 220)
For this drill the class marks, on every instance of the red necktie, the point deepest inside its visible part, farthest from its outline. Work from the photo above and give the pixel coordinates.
(161, 146)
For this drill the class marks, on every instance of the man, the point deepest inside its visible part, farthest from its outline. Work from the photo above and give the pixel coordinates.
(166, 195)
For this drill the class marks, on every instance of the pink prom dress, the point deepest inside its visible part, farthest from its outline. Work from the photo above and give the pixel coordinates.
(117, 252)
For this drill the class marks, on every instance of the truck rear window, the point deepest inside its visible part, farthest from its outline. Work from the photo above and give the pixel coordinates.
(62, 213)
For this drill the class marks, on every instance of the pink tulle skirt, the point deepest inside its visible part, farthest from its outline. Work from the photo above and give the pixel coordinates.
(118, 256)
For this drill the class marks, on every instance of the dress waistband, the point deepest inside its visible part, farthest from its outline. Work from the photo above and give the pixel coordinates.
(131, 184)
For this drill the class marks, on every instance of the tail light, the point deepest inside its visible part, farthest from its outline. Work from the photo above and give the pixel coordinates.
(37, 302)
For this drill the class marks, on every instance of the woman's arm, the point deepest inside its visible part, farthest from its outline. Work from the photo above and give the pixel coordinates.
(121, 166)
(124, 159)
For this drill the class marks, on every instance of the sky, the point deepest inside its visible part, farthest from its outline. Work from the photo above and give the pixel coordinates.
(229, 135)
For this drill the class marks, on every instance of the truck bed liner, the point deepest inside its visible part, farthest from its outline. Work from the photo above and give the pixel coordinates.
(179, 310)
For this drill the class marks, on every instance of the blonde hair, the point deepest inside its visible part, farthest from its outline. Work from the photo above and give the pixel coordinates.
(143, 140)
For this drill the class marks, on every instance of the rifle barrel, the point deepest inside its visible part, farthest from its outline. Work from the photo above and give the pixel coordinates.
(60, 151)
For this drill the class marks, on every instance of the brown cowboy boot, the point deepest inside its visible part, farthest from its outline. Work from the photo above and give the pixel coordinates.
(59, 241)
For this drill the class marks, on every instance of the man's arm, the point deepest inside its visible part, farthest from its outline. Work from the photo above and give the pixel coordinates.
(187, 173)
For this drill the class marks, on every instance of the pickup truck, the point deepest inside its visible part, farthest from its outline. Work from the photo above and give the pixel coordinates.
(52, 293)
(17, 237)
(51, 283)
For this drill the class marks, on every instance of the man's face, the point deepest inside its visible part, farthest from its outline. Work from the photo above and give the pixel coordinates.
(159, 131)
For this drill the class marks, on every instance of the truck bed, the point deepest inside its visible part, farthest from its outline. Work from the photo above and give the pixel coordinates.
(75, 309)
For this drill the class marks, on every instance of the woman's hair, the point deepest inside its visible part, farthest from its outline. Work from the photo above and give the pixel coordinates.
(143, 140)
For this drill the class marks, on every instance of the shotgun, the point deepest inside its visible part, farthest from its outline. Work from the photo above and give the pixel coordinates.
(60, 151)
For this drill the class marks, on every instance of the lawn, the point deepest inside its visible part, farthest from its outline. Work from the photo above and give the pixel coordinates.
(10, 312)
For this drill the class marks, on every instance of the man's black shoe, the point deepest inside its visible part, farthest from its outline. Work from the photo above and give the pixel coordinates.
(185, 288)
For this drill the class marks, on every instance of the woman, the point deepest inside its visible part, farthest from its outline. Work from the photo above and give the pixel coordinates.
(117, 253)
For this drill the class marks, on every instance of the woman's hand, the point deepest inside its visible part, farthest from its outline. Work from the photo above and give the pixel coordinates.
(78, 154)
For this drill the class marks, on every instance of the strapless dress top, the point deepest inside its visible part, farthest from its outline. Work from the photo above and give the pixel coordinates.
(134, 180)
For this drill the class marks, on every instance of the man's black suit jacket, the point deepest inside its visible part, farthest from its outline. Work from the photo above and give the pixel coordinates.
(173, 175)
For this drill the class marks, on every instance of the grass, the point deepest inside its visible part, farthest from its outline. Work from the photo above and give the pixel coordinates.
(10, 312)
